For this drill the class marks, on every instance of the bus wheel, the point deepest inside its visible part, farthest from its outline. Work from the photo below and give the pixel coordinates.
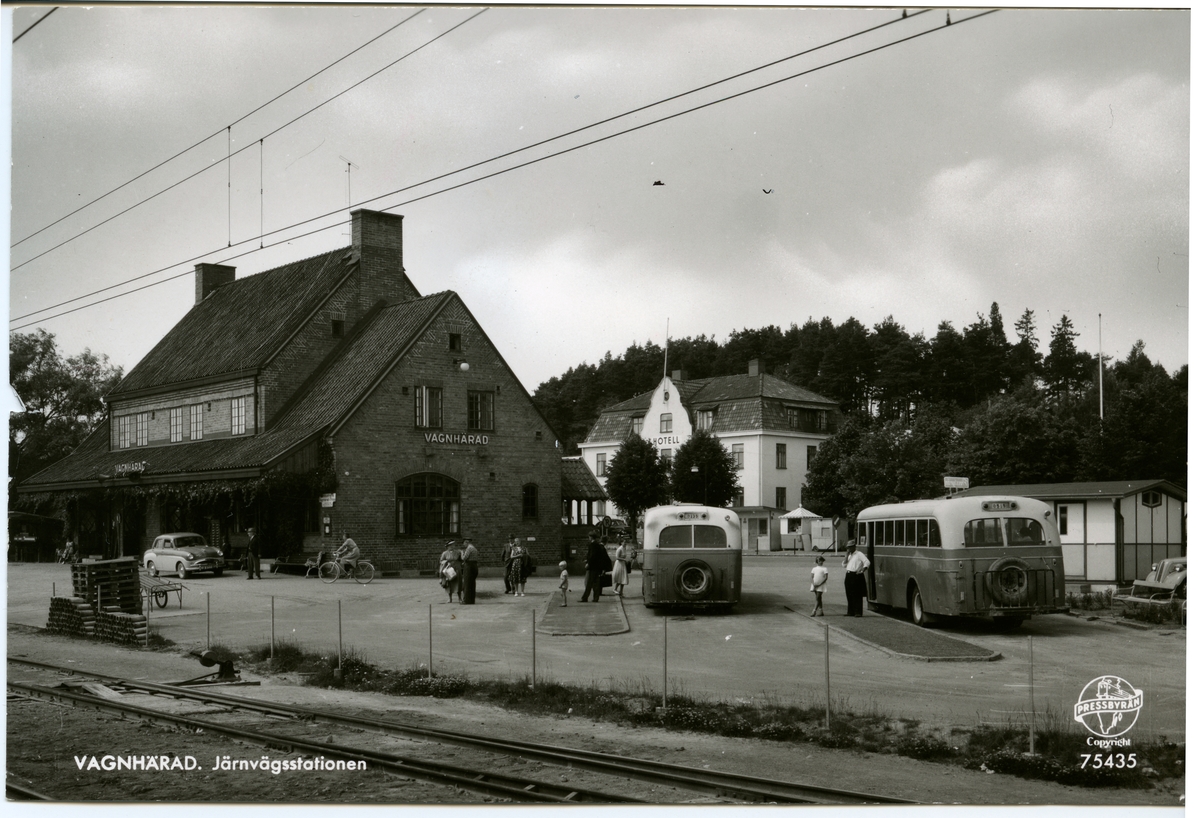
(916, 609)
(1008, 582)
(693, 579)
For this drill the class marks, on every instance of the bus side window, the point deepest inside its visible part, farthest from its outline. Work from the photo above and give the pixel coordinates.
(922, 532)
(935, 535)
(910, 532)
(889, 532)
(879, 533)
(862, 533)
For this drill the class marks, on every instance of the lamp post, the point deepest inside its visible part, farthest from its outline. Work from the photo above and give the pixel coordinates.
(696, 470)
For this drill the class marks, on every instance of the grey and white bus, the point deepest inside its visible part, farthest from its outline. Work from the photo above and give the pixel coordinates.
(692, 556)
(996, 557)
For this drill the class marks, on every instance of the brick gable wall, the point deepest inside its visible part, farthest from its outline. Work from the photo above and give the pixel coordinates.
(380, 444)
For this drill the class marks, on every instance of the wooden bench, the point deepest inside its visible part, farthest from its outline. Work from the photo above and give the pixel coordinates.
(157, 589)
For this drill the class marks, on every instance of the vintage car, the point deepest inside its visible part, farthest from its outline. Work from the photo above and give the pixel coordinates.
(1166, 581)
(183, 553)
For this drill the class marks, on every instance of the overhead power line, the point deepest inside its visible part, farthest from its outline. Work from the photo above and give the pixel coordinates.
(34, 24)
(245, 116)
(486, 176)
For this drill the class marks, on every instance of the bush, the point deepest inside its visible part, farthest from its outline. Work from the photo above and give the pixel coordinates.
(1169, 614)
(923, 747)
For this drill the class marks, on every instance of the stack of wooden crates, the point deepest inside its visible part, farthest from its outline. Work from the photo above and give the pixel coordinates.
(110, 585)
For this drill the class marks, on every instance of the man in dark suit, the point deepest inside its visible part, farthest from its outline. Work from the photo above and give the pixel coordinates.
(594, 566)
(253, 551)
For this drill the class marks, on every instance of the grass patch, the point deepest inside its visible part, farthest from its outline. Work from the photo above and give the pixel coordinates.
(986, 748)
(1169, 614)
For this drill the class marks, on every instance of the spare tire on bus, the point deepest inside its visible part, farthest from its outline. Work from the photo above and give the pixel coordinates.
(1009, 582)
(694, 579)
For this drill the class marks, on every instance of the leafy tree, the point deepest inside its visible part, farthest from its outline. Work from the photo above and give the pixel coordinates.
(876, 461)
(63, 398)
(1017, 439)
(704, 471)
(637, 479)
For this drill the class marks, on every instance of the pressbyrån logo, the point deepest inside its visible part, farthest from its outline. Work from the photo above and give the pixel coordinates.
(1108, 706)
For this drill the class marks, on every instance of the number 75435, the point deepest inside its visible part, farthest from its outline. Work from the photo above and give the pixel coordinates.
(1119, 761)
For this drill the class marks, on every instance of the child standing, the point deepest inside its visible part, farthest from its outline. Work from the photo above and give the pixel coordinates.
(819, 575)
(562, 566)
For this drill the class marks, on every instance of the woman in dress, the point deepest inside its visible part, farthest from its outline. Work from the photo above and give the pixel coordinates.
(620, 570)
(518, 560)
(450, 568)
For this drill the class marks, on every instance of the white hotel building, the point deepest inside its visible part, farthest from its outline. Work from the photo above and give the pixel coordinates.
(773, 429)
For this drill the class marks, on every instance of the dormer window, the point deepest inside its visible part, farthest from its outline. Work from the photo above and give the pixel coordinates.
(704, 418)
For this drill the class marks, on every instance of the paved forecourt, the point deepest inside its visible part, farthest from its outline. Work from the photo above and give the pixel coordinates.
(766, 648)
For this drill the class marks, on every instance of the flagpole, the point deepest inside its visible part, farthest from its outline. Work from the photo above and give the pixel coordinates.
(666, 346)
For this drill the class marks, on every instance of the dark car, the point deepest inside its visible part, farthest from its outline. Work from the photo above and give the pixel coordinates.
(183, 553)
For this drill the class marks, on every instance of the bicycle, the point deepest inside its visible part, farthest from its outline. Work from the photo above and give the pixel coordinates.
(332, 571)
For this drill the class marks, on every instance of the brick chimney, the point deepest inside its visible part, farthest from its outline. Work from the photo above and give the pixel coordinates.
(754, 368)
(679, 375)
(377, 240)
(211, 276)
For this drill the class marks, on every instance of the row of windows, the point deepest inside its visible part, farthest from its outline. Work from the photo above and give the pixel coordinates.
(817, 419)
(429, 505)
(925, 533)
(427, 405)
(134, 430)
(738, 450)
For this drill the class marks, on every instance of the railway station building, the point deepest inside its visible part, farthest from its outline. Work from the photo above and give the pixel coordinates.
(1112, 531)
(772, 428)
(321, 398)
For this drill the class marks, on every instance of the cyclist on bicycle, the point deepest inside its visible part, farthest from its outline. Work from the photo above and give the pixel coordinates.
(347, 555)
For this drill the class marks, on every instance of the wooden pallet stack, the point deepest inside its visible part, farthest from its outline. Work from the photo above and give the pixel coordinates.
(71, 615)
(114, 625)
(108, 584)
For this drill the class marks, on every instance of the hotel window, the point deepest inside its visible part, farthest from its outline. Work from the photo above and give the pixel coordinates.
(143, 428)
(529, 501)
(479, 411)
(810, 454)
(428, 400)
(601, 464)
(637, 425)
(704, 419)
(822, 420)
(739, 497)
(176, 424)
(781, 455)
(664, 422)
(237, 416)
(197, 424)
(739, 455)
(666, 456)
(793, 418)
(781, 497)
(125, 431)
(427, 505)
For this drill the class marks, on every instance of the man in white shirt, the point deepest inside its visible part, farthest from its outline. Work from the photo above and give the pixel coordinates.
(856, 564)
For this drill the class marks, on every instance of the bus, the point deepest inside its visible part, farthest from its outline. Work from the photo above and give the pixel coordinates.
(992, 556)
(692, 556)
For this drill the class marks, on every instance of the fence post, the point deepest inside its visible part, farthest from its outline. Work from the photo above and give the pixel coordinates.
(828, 693)
(1032, 713)
(431, 640)
(272, 628)
(207, 620)
(533, 632)
(149, 606)
(664, 663)
(338, 674)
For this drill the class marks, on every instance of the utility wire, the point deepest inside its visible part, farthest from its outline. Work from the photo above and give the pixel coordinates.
(468, 182)
(248, 146)
(34, 24)
(276, 98)
(499, 156)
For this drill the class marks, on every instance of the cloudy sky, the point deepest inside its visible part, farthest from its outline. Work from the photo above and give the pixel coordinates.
(1034, 158)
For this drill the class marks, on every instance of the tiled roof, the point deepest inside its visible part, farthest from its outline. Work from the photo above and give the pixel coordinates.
(578, 482)
(333, 394)
(743, 402)
(240, 324)
(1077, 491)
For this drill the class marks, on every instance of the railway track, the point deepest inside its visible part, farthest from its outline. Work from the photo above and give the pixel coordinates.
(716, 784)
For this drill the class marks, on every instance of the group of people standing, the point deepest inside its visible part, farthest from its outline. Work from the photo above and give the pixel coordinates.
(856, 565)
(458, 569)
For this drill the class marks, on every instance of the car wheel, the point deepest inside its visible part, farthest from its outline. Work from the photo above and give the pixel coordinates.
(150, 569)
(916, 609)
(181, 569)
